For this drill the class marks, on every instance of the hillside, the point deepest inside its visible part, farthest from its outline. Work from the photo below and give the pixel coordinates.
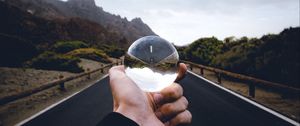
(24, 36)
(85, 9)
(43, 31)
(273, 57)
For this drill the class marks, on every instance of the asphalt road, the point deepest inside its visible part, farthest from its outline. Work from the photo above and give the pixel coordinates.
(209, 105)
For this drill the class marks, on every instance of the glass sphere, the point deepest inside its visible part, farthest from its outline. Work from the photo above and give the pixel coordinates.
(152, 63)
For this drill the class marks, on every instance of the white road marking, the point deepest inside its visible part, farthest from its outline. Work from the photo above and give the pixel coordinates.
(55, 104)
(250, 101)
(151, 49)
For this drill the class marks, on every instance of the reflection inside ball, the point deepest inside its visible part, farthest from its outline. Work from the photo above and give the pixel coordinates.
(151, 62)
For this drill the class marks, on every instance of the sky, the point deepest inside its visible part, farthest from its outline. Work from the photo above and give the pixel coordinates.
(184, 21)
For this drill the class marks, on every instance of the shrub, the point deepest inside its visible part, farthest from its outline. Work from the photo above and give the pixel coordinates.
(113, 51)
(54, 61)
(64, 47)
(14, 50)
(203, 50)
(91, 53)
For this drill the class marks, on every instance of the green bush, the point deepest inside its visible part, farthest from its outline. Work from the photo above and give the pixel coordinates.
(203, 50)
(91, 53)
(272, 57)
(113, 51)
(67, 46)
(54, 61)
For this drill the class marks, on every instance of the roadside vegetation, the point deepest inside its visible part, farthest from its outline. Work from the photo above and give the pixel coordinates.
(273, 57)
(67, 46)
(90, 53)
(65, 56)
(54, 61)
(61, 56)
(112, 51)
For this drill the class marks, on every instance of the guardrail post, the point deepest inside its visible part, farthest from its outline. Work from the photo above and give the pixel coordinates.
(89, 75)
(252, 90)
(201, 71)
(62, 86)
(219, 77)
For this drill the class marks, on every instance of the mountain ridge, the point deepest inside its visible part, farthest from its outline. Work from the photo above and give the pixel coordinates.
(24, 35)
(86, 9)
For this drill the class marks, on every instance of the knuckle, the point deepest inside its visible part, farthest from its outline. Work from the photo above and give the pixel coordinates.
(185, 102)
(168, 108)
(188, 116)
(173, 92)
(183, 118)
(177, 90)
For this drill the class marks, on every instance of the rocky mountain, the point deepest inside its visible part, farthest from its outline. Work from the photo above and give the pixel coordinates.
(86, 9)
(24, 35)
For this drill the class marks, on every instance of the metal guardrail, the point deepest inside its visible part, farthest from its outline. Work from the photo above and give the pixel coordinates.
(252, 81)
(60, 82)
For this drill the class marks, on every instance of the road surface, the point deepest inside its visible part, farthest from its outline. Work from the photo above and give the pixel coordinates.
(210, 105)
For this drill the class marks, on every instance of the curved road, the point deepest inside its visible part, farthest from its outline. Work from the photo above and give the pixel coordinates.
(210, 105)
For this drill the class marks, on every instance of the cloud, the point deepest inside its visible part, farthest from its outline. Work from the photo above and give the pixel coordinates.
(183, 21)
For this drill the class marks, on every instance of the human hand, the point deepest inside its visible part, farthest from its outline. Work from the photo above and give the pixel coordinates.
(167, 107)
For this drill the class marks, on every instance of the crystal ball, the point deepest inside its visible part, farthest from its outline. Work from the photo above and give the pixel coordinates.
(152, 63)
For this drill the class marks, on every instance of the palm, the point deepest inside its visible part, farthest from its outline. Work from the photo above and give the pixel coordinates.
(146, 108)
(131, 96)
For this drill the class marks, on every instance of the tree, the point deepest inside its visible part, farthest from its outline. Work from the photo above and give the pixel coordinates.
(203, 50)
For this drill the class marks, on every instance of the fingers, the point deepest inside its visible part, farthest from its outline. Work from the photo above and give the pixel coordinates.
(183, 118)
(181, 71)
(170, 110)
(168, 94)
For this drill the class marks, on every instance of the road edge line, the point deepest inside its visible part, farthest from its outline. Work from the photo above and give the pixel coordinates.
(250, 101)
(55, 104)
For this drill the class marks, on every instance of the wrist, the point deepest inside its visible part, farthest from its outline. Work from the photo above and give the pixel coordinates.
(141, 117)
(130, 113)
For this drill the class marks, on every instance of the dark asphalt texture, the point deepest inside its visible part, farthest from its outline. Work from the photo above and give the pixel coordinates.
(209, 105)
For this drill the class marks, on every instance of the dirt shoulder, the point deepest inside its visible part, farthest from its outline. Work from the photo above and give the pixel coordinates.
(14, 80)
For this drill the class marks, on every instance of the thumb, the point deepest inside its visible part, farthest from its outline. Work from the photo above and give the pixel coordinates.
(181, 71)
(120, 84)
(119, 80)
